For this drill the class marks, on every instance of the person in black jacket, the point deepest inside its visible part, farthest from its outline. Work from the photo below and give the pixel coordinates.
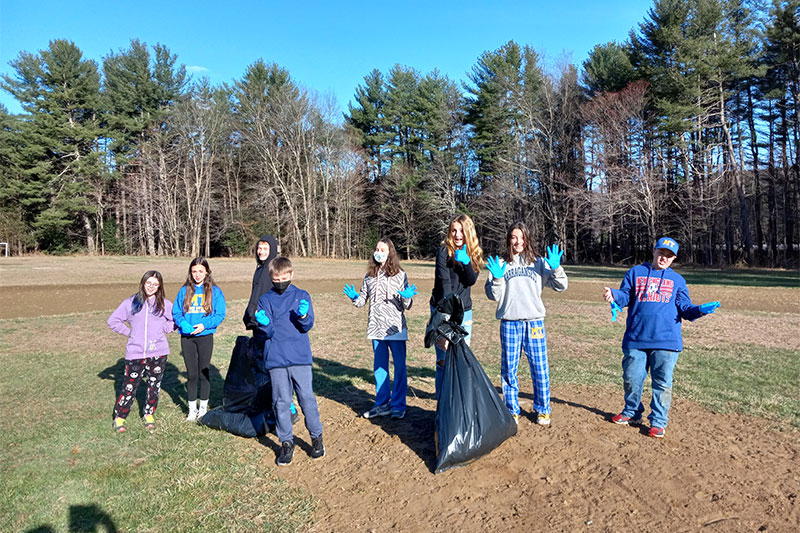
(458, 262)
(265, 251)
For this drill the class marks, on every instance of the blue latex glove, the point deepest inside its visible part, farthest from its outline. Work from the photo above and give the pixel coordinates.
(350, 291)
(408, 292)
(186, 328)
(462, 256)
(262, 318)
(614, 310)
(302, 308)
(494, 266)
(709, 308)
(553, 256)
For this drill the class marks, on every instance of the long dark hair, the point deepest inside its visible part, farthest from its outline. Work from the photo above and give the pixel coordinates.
(528, 255)
(141, 296)
(391, 265)
(208, 286)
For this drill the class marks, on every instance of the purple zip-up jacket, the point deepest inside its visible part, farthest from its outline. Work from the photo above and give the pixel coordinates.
(146, 330)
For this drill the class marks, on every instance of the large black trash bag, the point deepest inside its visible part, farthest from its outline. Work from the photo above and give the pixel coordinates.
(471, 418)
(247, 393)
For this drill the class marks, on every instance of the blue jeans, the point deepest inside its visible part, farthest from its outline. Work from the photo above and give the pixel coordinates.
(635, 365)
(467, 324)
(381, 368)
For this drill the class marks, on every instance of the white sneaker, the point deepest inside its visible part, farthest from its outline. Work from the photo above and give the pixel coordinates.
(203, 409)
(192, 416)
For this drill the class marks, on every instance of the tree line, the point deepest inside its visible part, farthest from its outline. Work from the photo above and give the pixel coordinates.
(688, 128)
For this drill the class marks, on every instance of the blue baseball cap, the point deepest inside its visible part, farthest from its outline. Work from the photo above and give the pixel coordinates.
(666, 243)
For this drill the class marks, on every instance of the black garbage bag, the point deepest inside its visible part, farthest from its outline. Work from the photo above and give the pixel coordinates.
(247, 394)
(471, 418)
(236, 423)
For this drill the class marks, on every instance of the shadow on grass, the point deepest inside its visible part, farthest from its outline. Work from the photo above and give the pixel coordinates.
(170, 384)
(83, 519)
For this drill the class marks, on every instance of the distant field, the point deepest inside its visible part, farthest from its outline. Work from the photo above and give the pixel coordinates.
(62, 468)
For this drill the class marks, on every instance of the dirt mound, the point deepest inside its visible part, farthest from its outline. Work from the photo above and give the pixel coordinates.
(711, 473)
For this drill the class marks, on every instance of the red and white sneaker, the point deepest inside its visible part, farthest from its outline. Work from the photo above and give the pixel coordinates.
(626, 420)
(657, 433)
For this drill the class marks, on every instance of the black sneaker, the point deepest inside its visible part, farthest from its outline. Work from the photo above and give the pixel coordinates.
(317, 448)
(287, 452)
(295, 418)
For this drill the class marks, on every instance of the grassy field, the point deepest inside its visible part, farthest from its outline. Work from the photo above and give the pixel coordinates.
(62, 468)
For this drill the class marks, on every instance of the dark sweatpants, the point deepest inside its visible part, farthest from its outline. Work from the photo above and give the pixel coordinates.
(197, 357)
(284, 381)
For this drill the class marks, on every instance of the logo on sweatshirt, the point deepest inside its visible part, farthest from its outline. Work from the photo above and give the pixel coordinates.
(196, 305)
(650, 289)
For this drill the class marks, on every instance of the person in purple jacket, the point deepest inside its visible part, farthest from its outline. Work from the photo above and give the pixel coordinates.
(657, 301)
(145, 318)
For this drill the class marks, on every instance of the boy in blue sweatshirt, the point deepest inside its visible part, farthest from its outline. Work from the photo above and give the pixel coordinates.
(657, 300)
(285, 316)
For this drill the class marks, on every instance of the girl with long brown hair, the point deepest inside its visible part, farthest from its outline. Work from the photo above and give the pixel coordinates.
(199, 309)
(385, 287)
(145, 318)
(458, 261)
(516, 285)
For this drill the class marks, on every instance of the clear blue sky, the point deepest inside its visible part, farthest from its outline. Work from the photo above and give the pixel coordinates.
(327, 46)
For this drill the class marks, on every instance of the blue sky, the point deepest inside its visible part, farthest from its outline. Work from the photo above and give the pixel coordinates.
(327, 46)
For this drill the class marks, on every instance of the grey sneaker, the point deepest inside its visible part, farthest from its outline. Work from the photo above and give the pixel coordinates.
(398, 413)
(295, 418)
(378, 410)
(317, 448)
(287, 452)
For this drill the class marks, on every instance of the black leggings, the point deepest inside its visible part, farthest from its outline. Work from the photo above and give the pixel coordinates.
(197, 357)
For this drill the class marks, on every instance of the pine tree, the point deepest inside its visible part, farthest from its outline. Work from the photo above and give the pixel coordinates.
(60, 92)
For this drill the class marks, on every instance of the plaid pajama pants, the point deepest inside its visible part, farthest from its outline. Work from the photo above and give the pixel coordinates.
(516, 335)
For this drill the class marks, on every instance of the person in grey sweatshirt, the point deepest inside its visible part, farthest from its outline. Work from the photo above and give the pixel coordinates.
(516, 285)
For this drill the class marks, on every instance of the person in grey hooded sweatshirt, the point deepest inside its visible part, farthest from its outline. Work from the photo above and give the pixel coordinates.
(516, 285)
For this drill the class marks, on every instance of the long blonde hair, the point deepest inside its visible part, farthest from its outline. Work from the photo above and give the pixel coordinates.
(474, 250)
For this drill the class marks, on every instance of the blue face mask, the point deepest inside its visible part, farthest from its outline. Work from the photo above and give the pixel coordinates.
(380, 257)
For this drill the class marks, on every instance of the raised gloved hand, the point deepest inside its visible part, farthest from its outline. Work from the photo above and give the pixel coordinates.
(462, 256)
(553, 256)
(186, 328)
(408, 292)
(302, 308)
(709, 307)
(494, 266)
(262, 318)
(614, 310)
(350, 291)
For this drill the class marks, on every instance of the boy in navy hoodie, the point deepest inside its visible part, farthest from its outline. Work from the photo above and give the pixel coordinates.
(285, 316)
(657, 300)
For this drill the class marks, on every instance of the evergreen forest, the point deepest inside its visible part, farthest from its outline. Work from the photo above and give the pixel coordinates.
(689, 128)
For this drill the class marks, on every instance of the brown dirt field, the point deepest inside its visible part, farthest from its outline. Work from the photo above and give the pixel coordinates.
(712, 472)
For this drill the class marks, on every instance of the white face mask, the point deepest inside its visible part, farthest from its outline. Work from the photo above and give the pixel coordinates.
(380, 257)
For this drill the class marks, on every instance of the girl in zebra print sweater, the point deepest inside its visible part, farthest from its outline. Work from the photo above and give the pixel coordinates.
(385, 287)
